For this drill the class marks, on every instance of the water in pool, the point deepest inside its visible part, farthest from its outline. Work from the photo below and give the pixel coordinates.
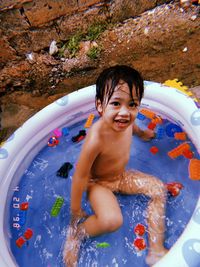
(40, 187)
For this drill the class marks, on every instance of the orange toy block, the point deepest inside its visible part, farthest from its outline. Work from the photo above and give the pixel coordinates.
(177, 151)
(89, 120)
(148, 113)
(180, 136)
(194, 169)
(157, 120)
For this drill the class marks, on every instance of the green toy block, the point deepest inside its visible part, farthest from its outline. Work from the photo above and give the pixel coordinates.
(57, 206)
(103, 245)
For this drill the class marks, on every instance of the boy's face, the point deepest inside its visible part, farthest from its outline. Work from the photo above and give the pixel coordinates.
(121, 110)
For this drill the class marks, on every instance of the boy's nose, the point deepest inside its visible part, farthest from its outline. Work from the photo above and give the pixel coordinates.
(124, 111)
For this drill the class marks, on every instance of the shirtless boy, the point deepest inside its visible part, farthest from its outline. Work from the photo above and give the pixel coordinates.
(101, 167)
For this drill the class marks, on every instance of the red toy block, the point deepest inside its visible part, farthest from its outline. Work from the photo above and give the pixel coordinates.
(154, 150)
(174, 188)
(151, 126)
(24, 206)
(139, 243)
(20, 241)
(28, 234)
(188, 154)
(139, 229)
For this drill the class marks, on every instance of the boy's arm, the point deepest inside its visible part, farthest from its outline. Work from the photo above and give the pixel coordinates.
(89, 152)
(146, 135)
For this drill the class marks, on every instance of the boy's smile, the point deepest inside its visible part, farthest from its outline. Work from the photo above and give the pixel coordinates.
(121, 109)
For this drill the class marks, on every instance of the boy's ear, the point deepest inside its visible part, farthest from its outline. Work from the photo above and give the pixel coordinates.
(99, 106)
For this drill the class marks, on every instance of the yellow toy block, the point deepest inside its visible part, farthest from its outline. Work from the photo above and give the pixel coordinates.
(175, 83)
(89, 120)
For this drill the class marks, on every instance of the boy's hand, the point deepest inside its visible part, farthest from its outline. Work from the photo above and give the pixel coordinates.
(147, 135)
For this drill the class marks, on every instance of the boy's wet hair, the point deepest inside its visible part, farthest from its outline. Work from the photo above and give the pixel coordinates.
(110, 78)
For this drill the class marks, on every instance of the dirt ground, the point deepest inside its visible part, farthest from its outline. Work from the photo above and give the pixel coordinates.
(162, 44)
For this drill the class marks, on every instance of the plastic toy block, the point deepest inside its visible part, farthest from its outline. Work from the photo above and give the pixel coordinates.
(148, 113)
(174, 188)
(154, 150)
(188, 154)
(139, 229)
(20, 242)
(103, 245)
(157, 120)
(57, 133)
(180, 136)
(28, 234)
(24, 206)
(79, 137)
(172, 128)
(65, 131)
(194, 169)
(53, 141)
(89, 120)
(177, 151)
(57, 206)
(64, 170)
(139, 243)
(140, 116)
(151, 126)
(160, 132)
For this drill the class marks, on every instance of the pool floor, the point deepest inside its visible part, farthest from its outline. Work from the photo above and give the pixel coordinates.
(40, 187)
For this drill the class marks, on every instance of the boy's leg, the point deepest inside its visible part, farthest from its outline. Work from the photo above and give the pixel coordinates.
(136, 182)
(107, 217)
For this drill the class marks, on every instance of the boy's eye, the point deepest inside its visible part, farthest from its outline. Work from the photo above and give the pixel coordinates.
(133, 104)
(115, 103)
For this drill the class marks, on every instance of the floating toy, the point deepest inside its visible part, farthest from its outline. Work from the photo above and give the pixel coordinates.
(194, 169)
(89, 120)
(64, 170)
(20, 242)
(139, 229)
(154, 150)
(157, 120)
(177, 151)
(103, 245)
(180, 136)
(140, 116)
(187, 153)
(65, 131)
(139, 243)
(53, 141)
(151, 126)
(28, 233)
(148, 113)
(79, 137)
(24, 206)
(57, 206)
(57, 132)
(172, 128)
(174, 188)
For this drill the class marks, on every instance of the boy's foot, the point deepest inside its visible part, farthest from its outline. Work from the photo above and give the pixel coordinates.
(154, 257)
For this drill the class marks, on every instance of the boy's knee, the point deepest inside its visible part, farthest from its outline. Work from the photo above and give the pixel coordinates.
(111, 223)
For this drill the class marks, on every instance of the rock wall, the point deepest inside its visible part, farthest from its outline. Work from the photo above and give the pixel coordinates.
(30, 26)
